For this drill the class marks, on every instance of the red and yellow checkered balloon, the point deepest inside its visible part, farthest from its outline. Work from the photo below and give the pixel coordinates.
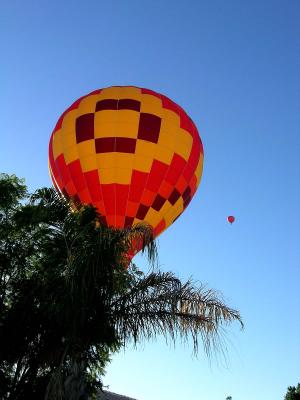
(131, 152)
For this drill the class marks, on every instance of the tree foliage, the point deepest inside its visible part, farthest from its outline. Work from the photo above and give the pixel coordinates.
(68, 300)
(293, 393)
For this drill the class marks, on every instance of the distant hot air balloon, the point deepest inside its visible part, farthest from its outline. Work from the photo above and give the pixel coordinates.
(230, 219)
(131, 152)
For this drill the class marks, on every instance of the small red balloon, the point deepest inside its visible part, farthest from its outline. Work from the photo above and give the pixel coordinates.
(230, 219)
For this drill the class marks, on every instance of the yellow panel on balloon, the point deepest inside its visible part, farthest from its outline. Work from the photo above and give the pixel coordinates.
(88, 163)
(163, 154)
(71, 154)
(127, 116)
(113, 92)
(87, 148)
(183, 143)
(145, 148)
(151, 105)
(130, 92)
(107, 129)
(153, 217)
(126, 129)
(142, 163)
(68, 139)
(167, 138)
(199, 168)
(104, 116)
(106, 160)
(124, 159)
(107, 175)
(165, 208)
(57, 144)
(87, 105)
(174, 212)
(170, 119)
(122, 176)
(68, 123)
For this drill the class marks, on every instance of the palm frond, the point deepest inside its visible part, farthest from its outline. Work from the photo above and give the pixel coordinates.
(141, 237)
(160, 304)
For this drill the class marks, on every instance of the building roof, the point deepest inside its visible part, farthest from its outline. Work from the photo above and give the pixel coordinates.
(112, 396)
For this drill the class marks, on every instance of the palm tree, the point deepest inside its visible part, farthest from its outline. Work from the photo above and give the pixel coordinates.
(83, 303)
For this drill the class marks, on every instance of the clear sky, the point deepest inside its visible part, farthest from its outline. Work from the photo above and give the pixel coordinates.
(234, 67)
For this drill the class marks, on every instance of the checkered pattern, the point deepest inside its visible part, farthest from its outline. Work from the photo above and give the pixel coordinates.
(131, 152)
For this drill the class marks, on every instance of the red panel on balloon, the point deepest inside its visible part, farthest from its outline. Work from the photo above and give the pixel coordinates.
(165, 189)
(108, 104)
(148, 197)
(135, 193)
(158, 202)
(160, 227)
(84, 196)
(132, 208)
(97, 91)
(181, 184)
(149, 127)
(188, 173)
(100, 207)
(92, 181)
(193, 183)
(151, 92)
(129, 104)
(139, 178)
(70, 189)
(72, 107)
(172, 176)
(195, 154)
(84, 128)
(122, 198)
(109, 197)
(186, 123)
(105, 145)
(63, 169)
(138, 182)
(77, 175)
(119, 222)
(170, 105)
(142, 211)
(178, 162)
(55, 176)
(156, 176)
(111, 220)
(125, 145)
(174, 197)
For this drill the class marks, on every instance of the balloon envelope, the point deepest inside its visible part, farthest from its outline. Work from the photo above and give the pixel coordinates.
(131, 152)
(230, 219)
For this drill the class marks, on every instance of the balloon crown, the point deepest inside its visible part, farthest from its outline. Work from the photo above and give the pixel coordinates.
(131, 152)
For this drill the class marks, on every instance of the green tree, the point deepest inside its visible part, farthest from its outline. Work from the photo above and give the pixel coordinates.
(293, 393)
(68, 301)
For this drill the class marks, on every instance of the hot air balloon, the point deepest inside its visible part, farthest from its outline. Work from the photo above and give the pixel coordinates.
(230, 219)
(131, 152)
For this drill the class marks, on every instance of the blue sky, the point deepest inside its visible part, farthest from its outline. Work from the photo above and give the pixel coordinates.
(234, 67)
